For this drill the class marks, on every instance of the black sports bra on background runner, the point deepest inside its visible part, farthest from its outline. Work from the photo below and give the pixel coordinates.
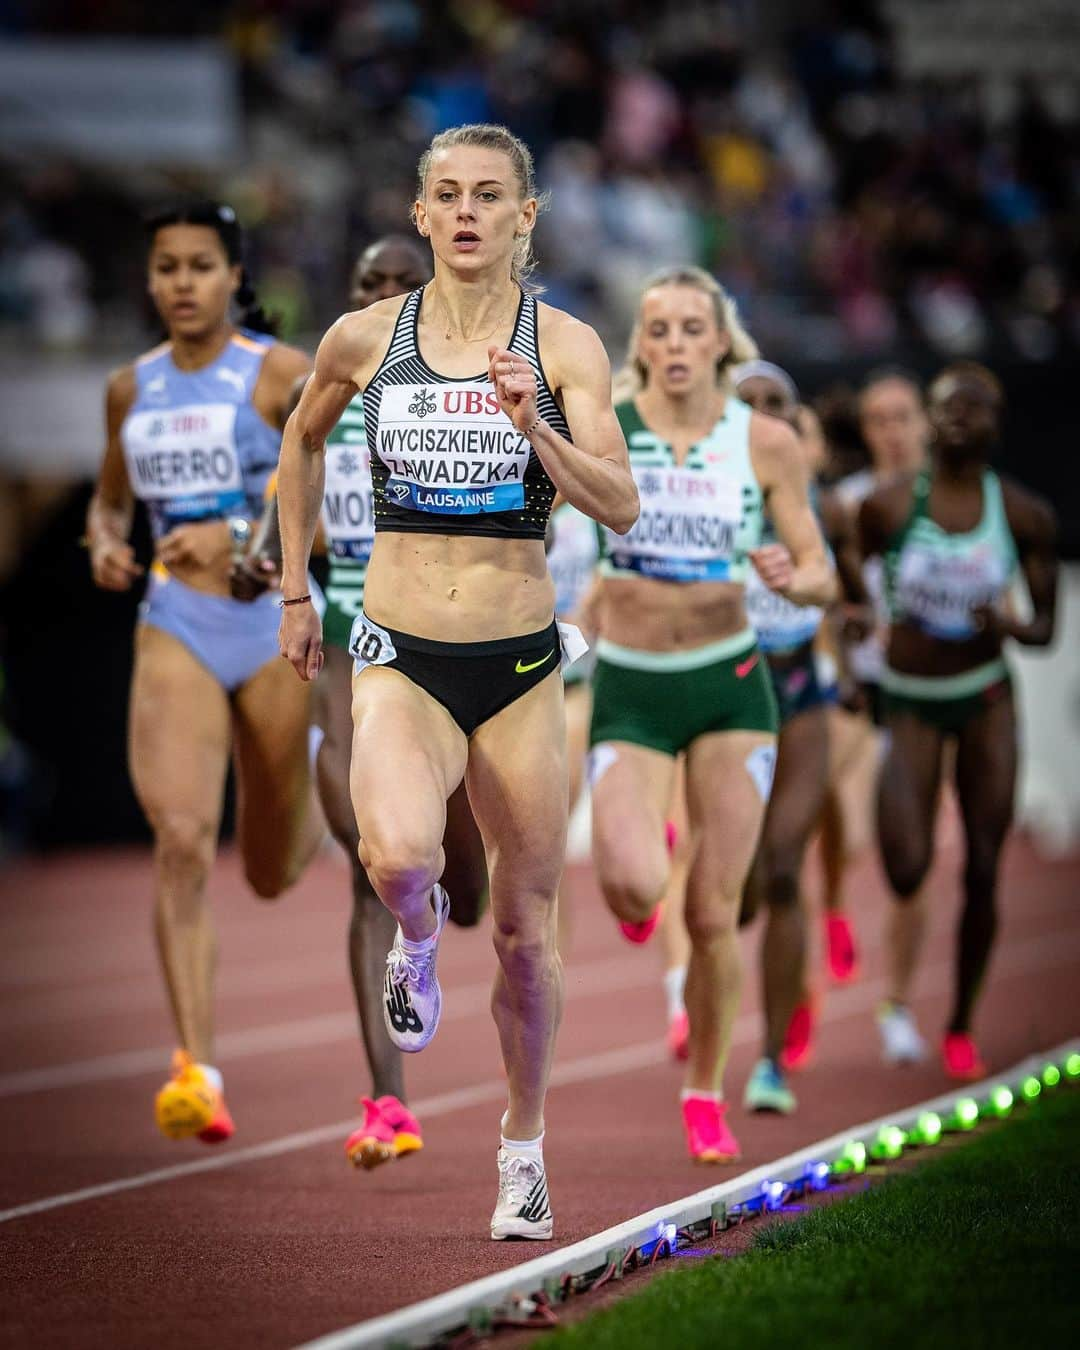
(445, 458)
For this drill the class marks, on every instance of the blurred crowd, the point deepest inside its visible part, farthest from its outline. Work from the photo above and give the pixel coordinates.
(852, 207)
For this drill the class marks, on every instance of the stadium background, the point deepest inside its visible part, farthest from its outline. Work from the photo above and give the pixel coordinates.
(875, 182)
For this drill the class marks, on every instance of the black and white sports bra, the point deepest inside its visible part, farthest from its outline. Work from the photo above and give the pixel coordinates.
(445, 458)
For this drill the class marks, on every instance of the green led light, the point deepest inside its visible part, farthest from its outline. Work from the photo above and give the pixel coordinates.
(1072, 1066)
(1051, 1075)
(965, 1114)
(927, 1128)
(1030, 1088)
(889, 1143)
(852, 1159)
(1001, 1101)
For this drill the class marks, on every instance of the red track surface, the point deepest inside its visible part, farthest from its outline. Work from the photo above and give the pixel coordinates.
(273, 1250)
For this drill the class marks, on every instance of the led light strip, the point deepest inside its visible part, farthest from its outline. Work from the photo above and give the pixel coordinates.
(528, 1290)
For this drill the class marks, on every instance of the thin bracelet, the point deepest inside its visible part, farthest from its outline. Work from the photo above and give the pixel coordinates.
(296, 600)
(530, 430)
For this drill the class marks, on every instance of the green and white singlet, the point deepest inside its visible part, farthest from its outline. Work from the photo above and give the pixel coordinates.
(700, 519)
(348, 522)
(935, 580)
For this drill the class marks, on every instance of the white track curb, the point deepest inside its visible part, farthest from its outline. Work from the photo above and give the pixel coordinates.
(420, 1323)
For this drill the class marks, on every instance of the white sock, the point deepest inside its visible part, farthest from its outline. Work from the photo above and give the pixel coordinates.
(532, 1148)
(214, 1076)
(674, 984)
(425, 944)
(699, 1095)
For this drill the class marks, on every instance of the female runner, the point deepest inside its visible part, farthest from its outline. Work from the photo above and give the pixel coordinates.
(950, 538)
(678, 669)
(786, 634)
(388, 267)
(457, 651)
(892, 422)
(193, 428)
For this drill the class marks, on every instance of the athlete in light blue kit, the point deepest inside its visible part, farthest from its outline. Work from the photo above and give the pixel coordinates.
(193, 430)
(951, 538)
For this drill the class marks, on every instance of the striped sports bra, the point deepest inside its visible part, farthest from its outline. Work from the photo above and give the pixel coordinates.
(445, 458)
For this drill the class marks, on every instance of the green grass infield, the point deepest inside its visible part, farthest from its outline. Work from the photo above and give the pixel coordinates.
(978, 1248)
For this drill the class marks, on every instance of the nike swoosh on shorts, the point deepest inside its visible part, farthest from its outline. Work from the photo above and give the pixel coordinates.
(519, 669)
(745, 667)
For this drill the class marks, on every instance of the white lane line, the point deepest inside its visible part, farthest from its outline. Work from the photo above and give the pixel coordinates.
(603, 977)
(587, 1068)
(1039, 953)
(467, 1000)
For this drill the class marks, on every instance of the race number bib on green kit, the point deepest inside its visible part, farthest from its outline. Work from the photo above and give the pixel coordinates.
(348, 512)
(687, 528)
(451, 450)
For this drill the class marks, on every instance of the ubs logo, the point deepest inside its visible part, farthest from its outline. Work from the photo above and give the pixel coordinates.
(651, 484)
(423, 403)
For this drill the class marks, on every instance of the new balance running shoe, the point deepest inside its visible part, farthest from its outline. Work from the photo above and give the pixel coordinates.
(678, 1036)
(708, 1137)
(191, 1105)
(842, 954)
(412, 999)
(523, 1209)
(961, 1058)
(643, 931)
(767, 1089)
(901, 1042)
(390, 1130)
(798, 1048)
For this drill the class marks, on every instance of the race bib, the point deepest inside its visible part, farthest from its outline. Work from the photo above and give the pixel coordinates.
(572, 644)
(369, 645)
(938, 592)
(182, 462)
(348, 511)
(687, 528)
(450, 449)
(780, 625)
(573, 557)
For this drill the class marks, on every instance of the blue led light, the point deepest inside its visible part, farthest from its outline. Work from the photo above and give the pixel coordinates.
(817, 1175)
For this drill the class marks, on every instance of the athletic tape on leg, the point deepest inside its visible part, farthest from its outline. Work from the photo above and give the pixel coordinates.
(761, 765)
(601, 758)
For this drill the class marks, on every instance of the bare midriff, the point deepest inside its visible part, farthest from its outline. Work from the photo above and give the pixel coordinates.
(665, 616)
(458, 588)
(913, 652)
(211, 580)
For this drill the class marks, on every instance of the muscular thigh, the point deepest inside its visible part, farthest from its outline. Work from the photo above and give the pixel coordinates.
(408, 756)
(333, 716)
(799, 785)
(578, 712)
(633, 789)
(909, 785)
(518, 788)
(179, 732)
(727, 788)
(271, 726)
(986, 772)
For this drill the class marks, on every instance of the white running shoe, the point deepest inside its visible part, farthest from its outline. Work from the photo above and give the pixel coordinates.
(523, 1210)
(412, 998)
(900, 1039)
